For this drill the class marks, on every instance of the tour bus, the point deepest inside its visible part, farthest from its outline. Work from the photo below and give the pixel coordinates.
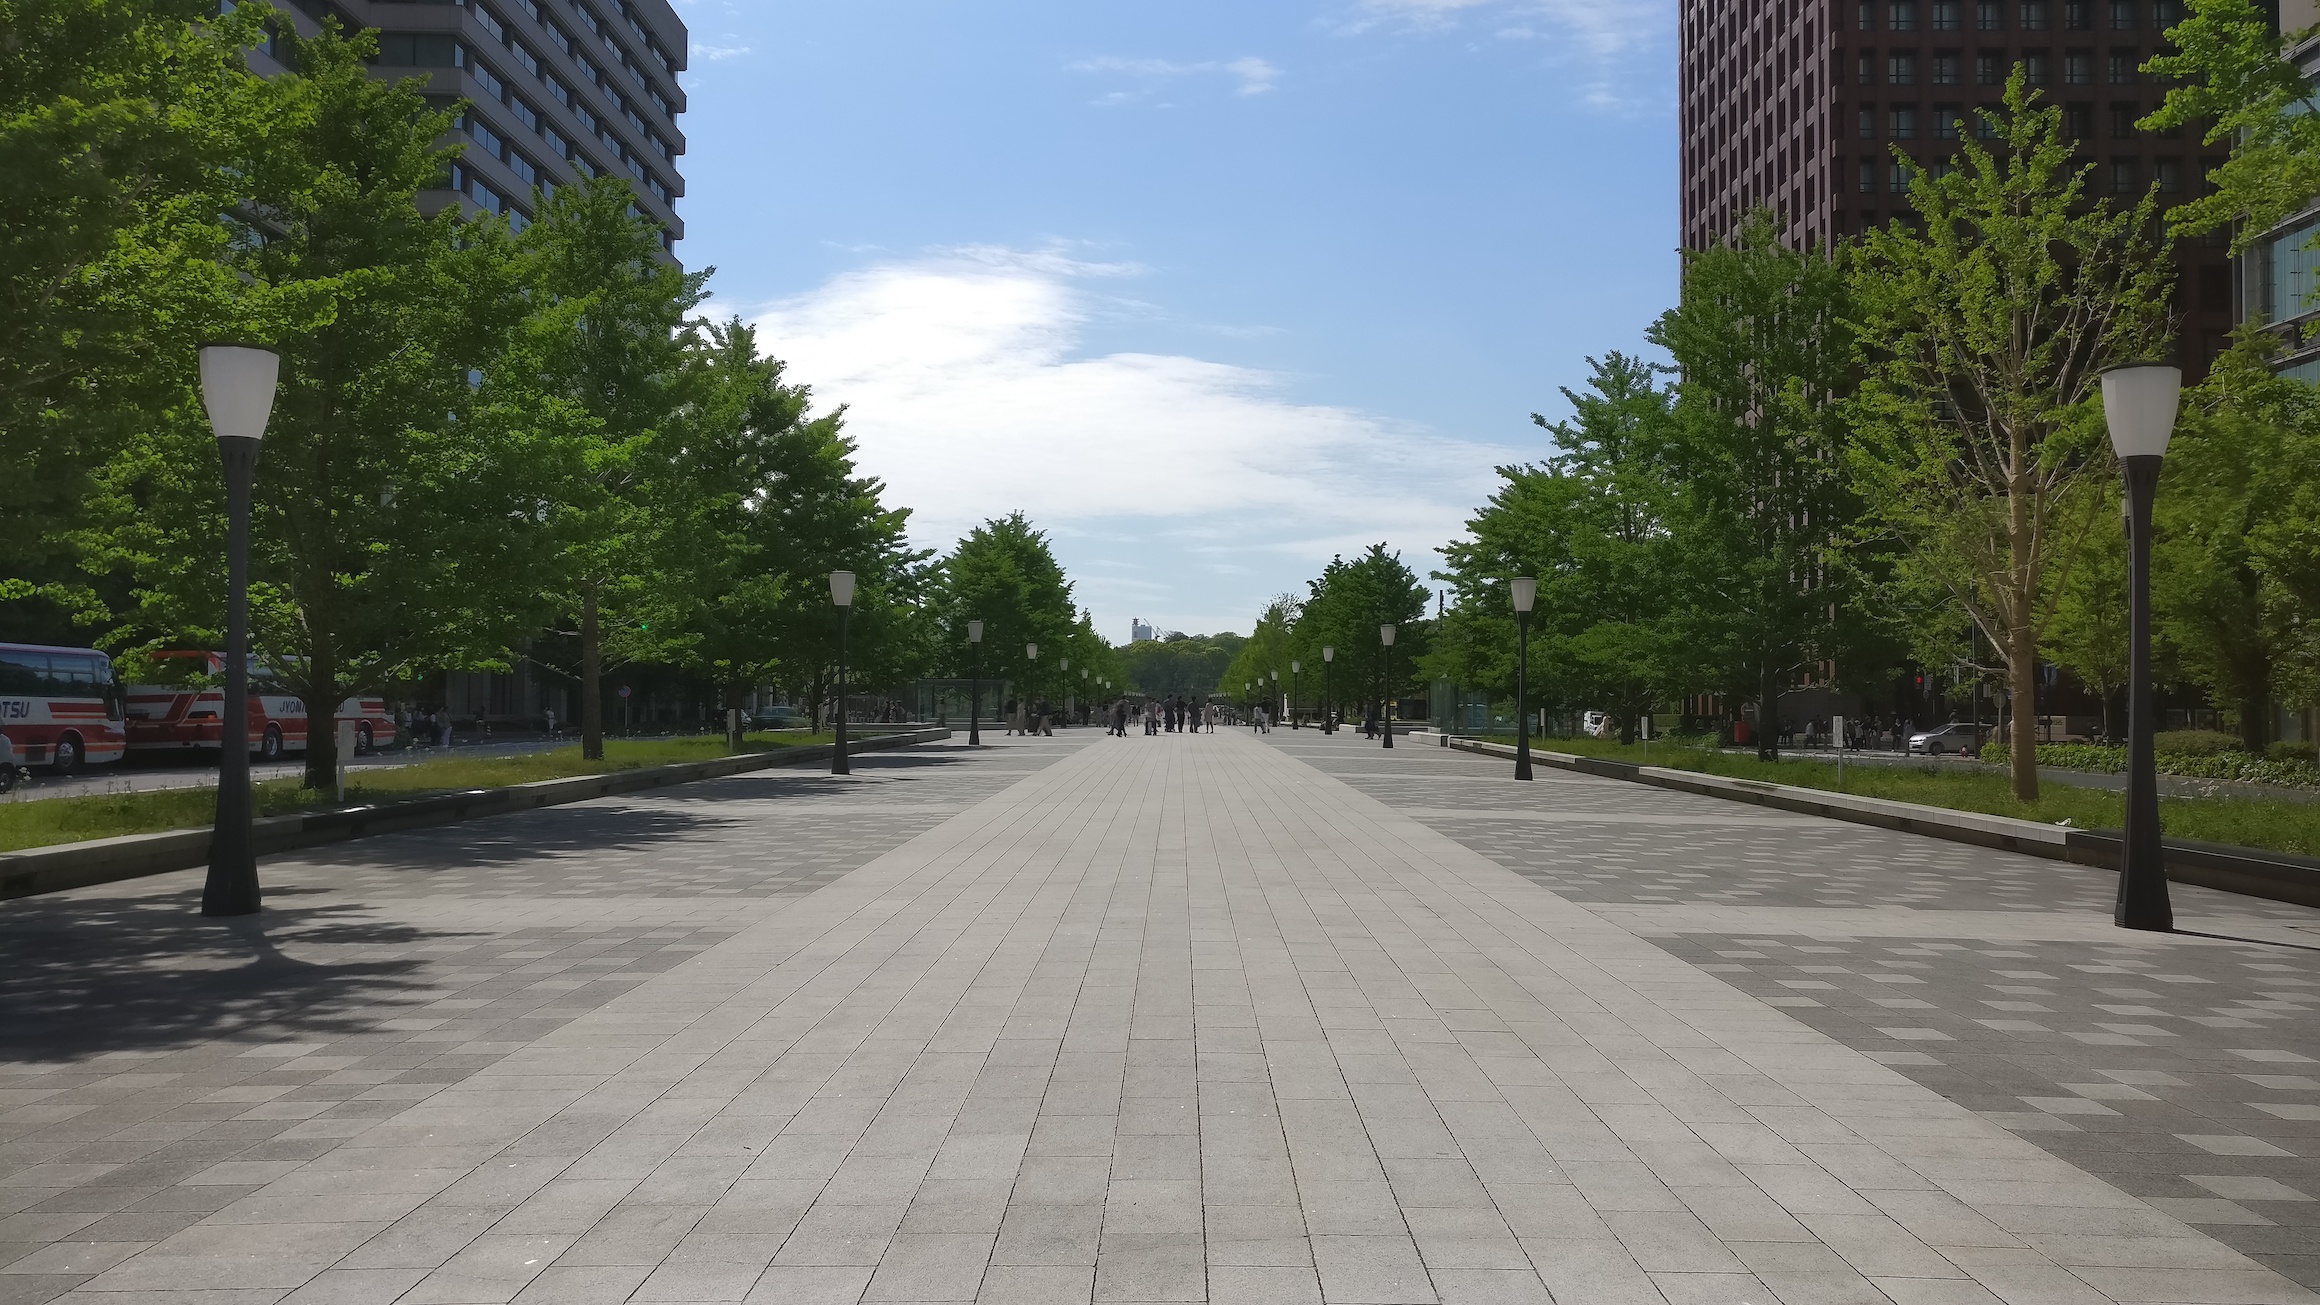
(60, 707)
(180, 713)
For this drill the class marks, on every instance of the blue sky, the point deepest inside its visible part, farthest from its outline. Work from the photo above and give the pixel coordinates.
(1211, 290)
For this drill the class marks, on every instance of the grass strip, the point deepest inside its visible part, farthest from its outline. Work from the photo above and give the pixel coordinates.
(48, 821)
(2268, 824)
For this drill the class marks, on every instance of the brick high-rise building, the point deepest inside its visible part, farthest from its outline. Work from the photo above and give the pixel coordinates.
(554, 84)
(1796, 105)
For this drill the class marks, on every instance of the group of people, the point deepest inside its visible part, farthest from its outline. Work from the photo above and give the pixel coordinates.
(1030, 718)
(1164, 716)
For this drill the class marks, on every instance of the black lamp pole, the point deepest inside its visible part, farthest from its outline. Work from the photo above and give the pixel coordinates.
(842, 593)
(2139, 405)
(1525, 592)
(1328, 698)
(1386, 636)
(237, 387)
(975, 695)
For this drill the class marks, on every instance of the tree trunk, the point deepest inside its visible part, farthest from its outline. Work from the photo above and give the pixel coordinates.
(322, 699)
(2022, 674)
(591, 676)
(1767, 713)
(2255, 719)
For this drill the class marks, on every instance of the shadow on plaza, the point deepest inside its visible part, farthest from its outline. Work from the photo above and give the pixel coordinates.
(84, 977)
(543, 836)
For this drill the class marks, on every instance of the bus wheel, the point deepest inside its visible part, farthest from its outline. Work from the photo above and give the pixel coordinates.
(362, 741)
(270, 747)
(67, 756)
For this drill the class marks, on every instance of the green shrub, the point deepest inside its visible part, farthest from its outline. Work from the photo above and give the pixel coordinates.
(2195, 743)
(2283, 750)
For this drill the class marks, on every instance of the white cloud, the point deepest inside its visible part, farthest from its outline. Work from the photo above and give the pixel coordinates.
(1602, 45)
(716, 53)
(1256, 76)
(1170, 481)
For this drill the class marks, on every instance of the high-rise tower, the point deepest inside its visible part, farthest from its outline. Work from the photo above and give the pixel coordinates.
(554, 85)
(1797, 106)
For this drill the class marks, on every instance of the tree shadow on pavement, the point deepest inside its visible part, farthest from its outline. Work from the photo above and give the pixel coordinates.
(548, 833)
(86, 977)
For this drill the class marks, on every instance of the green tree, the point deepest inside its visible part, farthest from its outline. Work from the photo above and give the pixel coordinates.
(1266, 652)
(125, 126)
(2247, 439)
(1978, 437)
(1346, 605)
(394, 518)
(1192, 665)
(1005, 575)
(1764, 347)
(2230, 75)
(2087, 633)
(607, 341)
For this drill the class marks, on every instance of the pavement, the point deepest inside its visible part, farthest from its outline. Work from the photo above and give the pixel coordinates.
(1261, 1019)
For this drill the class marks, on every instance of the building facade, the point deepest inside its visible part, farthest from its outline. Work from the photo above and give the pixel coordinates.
(555, 88)
(1798, 105)
(2281, 271)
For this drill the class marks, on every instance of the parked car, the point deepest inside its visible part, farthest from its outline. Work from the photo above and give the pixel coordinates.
(1957, 736)
(779, 718)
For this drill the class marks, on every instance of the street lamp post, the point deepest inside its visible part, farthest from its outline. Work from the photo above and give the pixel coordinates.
(2139, 405)
(842, 593)
(1087, 701)
(1526, 592)
(1328, 700)
(1386, 637)
(1294, 667)
(1030, 674)
(1064, 664)
(1275, 692)
(975, 693)
(237, 387)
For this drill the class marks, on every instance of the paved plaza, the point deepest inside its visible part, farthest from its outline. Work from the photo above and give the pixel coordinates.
(1227, 1018)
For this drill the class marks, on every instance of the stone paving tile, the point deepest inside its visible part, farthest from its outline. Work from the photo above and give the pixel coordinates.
(1074, 1020)
(2186, 1073)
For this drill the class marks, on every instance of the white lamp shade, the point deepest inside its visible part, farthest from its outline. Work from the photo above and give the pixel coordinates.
(1031, 650)
(1328, 653)
(1276, 677)
(1296, 668)
(2139, 405)
(237, 386)
(1386, 635)
(974, 632)
(842, 588)
(1064, 662)
(1526, 592)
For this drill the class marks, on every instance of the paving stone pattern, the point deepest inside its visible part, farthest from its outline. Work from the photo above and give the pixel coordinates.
(2187, 1075)
(1074, 1019)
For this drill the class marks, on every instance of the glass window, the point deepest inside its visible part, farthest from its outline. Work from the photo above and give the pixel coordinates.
(1868, 176)
(2290, 268)
(2125, 67)
(2123, 15)
(2034, 67)
(1868, 16)
(2169, 174)
(1945, 68)
(2078, 15)
(1897, 178)
(1901, 68)
(2036, 15)
(2166, 13)
(1989, 69)
(524, 56)
(1948, 15)
(1990, 16)
(1868, 68)
(23, 674)
(1948, 123)
(1903, 16)
(524, 112)
(1868, 124)
(2078, 68)
(2123, 120)
(1986, 121)
(2078, 121)
(2123, 177)
(523, 168)
(490, 22)
(1905, 123)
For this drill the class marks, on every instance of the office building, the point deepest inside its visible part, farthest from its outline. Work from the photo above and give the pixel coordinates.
(2277, 274)
(1797, 106)
(553, 85)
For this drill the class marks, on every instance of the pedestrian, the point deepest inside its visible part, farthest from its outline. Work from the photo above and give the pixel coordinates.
(1120, 718)
(1046, 719)
(551, 722)
(443, 727)
(1369, 720)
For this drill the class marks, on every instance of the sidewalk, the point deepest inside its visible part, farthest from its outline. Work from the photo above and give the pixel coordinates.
(1064, 1019)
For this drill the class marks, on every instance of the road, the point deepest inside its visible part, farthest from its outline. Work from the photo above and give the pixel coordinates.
(1225, 1018)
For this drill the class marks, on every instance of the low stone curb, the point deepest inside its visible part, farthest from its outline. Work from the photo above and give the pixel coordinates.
(132, 856)
(2249, 872)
